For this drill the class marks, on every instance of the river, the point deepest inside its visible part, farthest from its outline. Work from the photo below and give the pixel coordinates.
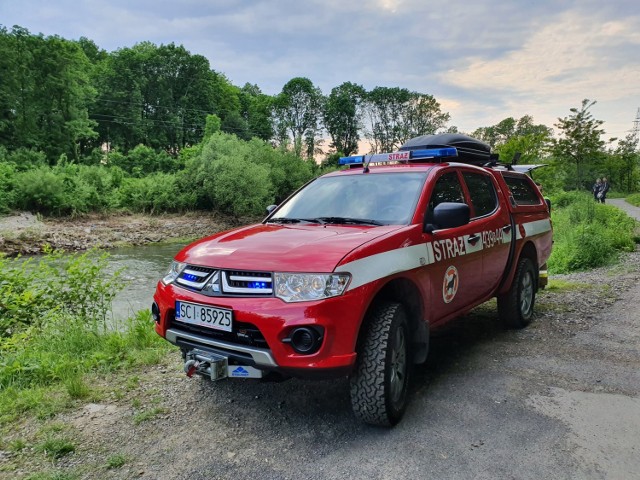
(142, 268)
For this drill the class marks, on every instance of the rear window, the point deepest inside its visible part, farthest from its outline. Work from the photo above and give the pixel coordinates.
(523, 190)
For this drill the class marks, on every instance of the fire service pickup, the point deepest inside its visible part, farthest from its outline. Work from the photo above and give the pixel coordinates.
(351, 274)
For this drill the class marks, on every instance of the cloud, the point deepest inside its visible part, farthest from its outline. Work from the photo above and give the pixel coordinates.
(575, 56)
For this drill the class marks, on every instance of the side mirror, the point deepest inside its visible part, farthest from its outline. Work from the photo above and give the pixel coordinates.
(548, 202)
(271, 208)
(449, 215)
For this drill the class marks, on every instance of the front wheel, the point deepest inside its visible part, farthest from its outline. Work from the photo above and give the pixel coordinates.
(515, 308)
(380, 381)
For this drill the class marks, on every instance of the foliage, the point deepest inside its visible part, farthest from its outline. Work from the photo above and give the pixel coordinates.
(242, 178)
(36, 363)
(587, 234)
(510, 129)
(44, 94)
(580, 144)
(634, 199)
(143, 160)
(342, 114)
(622, 165)
(297, 111)
(158, 192)
(66, 189)
(395, 115)
(156, 95)
(32, 292)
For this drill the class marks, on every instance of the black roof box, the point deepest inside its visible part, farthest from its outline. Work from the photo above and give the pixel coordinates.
(469, 149)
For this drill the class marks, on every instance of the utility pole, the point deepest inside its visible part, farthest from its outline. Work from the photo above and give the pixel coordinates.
(636, 126)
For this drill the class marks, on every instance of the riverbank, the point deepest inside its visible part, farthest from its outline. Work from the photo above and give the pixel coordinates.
(27, 234)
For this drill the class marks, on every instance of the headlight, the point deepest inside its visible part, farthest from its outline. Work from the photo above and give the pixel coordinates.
(301, 287)
(174, 271)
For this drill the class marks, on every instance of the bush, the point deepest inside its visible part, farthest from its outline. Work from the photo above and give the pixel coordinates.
(241, 178)
(634, 199)
(155, 193)
(7, 187)
(587, 234)
(33, 291)
(41, 190)
(143, 160)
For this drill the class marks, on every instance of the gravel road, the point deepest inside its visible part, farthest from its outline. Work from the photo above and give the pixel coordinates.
(560, 399)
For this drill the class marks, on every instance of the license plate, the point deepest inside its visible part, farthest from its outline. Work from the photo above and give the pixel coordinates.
(205, 316)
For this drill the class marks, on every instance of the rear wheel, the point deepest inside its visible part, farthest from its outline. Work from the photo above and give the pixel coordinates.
(380, 380)
(515, 308)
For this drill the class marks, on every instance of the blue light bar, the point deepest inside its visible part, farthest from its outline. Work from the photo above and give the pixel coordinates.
(400, 156)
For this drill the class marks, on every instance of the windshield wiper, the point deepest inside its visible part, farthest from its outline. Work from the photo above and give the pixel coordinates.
(293, 220)
(349, 220)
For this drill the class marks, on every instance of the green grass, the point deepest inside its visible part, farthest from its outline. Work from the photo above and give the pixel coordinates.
(588, 234)
(44, 373)
(149, 414)
(56, 447)
(634, 199)
(116, 461)
(558, 285)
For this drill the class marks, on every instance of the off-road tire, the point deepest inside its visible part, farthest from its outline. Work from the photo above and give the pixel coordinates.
(515, 308)
(380, 380)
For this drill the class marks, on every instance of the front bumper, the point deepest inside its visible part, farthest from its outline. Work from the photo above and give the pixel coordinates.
(339, 318)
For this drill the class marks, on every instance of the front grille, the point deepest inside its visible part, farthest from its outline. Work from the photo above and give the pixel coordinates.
(226, 283)
(243, 333)
(243, 283)
(195, 277)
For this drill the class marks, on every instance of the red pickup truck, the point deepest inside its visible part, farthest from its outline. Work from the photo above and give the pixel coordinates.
(353, 271)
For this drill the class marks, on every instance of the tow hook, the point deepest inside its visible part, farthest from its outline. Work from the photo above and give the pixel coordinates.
(190, 367)
(206, 364)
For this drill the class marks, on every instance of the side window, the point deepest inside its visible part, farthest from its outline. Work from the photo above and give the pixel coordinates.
(523, 191)
(482, 192)
(446, 189)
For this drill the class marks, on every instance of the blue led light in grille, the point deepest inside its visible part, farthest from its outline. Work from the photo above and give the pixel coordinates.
(258, 285)
(191, 277)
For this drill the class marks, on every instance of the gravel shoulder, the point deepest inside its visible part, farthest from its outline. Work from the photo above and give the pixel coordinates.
(559, 399)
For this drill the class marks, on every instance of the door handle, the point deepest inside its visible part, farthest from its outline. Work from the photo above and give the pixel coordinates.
(473, 238)
(506, 228)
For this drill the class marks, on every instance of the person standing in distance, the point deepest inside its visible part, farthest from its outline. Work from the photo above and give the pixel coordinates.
(596, 189)
(604, 188)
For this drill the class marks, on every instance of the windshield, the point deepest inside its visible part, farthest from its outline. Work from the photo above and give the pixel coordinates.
(374, 198)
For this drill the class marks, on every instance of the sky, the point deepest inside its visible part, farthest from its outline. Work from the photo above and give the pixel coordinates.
(482, 60)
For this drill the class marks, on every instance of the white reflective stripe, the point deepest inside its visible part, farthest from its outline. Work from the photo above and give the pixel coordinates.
(382, 265)
(537, 227)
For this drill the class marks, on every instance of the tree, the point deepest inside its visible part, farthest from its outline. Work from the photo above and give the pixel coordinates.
(505, 130)
(44, 95)
(256, 109)
(342, 115)
(157, 96)
(581, 143)
(297, 111)
(395, 115)
(623, 164)
(385, 108)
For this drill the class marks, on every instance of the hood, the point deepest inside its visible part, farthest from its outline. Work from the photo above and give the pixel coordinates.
(284, 248)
